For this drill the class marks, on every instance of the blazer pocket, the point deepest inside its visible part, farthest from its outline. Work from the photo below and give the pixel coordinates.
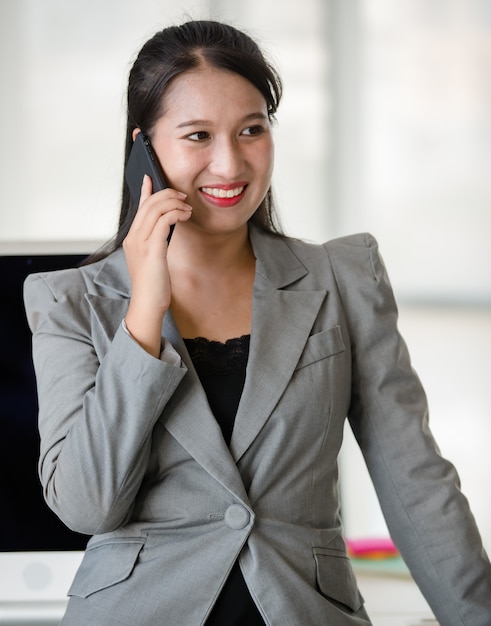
(336, 579)
(105, 564)
(321, 346)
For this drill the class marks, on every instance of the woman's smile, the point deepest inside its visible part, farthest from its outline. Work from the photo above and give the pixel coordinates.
(224, 195)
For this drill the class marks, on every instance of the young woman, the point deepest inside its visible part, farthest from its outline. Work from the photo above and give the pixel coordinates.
(193, 395)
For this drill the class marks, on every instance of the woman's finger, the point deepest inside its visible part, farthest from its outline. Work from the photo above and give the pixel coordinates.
(162, 228)
(146, 189)
(153, 207)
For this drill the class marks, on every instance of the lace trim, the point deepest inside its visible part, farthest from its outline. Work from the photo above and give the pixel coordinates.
(214, 357)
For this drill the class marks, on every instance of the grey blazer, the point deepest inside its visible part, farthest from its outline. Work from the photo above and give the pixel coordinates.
(131, 453)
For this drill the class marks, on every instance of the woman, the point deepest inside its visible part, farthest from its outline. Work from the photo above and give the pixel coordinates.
(193, 395)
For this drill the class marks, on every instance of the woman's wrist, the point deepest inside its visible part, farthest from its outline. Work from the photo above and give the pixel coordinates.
(146, 330)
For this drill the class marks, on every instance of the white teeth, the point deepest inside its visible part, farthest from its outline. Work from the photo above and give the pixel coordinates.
(222, 193)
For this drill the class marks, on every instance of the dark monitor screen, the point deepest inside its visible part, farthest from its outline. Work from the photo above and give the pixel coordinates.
(26, 522)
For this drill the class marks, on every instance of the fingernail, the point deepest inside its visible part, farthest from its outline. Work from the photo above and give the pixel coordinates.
(182, 195)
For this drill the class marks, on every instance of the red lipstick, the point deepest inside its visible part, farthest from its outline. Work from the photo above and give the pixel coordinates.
(224, 195)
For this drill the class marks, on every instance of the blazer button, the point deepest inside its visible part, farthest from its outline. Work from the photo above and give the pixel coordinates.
(237, 517)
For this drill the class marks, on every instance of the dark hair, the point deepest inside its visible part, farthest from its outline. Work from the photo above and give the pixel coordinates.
(168, 54)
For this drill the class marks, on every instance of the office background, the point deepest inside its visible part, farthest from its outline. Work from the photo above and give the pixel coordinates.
(385, 127)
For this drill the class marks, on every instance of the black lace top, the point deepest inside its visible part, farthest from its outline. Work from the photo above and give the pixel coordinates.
(221, 368)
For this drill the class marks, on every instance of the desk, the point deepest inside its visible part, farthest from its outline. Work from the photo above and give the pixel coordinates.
(392, 597)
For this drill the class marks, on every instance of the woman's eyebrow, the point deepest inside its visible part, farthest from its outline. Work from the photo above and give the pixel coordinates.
(259, 115)
(193, 123)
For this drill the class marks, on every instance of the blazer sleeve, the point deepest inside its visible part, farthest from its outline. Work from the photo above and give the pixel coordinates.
(96, 412)
(419, 491)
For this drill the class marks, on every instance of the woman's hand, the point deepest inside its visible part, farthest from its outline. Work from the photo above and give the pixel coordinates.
(145, 249)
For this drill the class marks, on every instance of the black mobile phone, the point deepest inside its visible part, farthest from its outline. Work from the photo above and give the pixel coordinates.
(143, 160)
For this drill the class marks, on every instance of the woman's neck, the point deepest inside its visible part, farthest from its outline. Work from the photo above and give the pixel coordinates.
(212, 284)
(197, 254)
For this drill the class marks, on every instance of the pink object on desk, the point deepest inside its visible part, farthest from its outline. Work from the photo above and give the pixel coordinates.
(377, 548)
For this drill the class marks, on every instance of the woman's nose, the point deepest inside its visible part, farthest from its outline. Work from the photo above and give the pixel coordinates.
(227, 160)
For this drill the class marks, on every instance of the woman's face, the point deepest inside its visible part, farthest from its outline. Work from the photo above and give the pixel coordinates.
(214, 142)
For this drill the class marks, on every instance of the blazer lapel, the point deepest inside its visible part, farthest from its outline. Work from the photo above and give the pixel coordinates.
(110, 304)
(282, 322)
(109, 312)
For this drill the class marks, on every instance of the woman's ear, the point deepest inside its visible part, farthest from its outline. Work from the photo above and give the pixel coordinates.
(135, 133)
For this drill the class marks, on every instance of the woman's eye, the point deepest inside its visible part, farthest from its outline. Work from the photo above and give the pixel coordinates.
(199, 135)
(253, 130)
